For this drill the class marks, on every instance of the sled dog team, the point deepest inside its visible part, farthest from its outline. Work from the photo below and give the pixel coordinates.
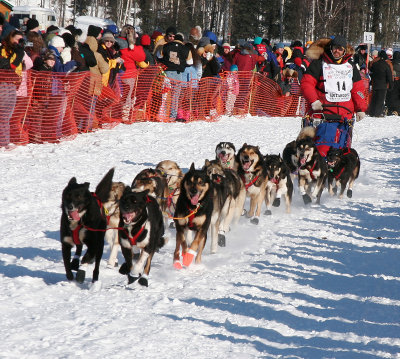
(134, 217)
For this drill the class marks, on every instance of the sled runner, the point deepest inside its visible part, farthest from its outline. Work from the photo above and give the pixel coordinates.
(332, 130)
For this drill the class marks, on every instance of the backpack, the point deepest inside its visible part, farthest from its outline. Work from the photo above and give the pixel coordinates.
(332, 134)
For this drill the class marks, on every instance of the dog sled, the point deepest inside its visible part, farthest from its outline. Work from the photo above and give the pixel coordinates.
(332, 129)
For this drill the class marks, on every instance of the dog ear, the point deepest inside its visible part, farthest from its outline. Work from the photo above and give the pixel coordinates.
(192, 167)
(72, 181)
(207, 163)
(127, 189)
(86, 184)
(244, 144)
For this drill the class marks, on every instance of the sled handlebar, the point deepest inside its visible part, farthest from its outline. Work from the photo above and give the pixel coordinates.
(328, 108)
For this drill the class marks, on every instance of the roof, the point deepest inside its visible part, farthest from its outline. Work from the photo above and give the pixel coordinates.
(7, 3)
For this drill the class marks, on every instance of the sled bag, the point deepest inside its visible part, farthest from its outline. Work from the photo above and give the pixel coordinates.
(331, 134)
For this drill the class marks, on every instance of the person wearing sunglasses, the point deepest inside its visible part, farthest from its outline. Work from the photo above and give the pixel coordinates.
(333, 79)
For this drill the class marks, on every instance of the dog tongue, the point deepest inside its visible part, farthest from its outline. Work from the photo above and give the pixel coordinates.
(74, 215)
(223, 158)
(303, 161)
(246, 165)
(195, 199)
(128, 217)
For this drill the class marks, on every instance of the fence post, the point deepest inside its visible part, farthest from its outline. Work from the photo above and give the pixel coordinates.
(29, 102)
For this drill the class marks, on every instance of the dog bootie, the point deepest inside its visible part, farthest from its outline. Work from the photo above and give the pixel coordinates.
(177, 265)
(306, 199)
(254, 220)
(188, 257)
(349, 193)
(143, 280)
(277, 202)
(124, 269)
(75, 263)
(221, 240)
(267, 212)
(132, 279)
(80, 276)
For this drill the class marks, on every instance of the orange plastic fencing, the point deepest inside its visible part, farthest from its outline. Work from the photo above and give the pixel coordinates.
(49, 107)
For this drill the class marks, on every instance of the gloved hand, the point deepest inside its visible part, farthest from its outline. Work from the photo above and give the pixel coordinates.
(360, 116)
(317, 106)
(19, 55)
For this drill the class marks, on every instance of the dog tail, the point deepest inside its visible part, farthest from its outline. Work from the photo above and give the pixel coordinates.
(305, 132)
(104, 187)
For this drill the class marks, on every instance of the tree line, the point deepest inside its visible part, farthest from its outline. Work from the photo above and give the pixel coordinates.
(243, 19)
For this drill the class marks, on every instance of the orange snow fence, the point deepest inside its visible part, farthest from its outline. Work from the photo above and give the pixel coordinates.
(40, 107)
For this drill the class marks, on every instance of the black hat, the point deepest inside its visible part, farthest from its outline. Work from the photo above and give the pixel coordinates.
(363, 47)
(383, 55)
(31, 24)
(297, 43)
(171, 30)
(94, 31)
(72, 29)
(339, 41)
(52, 28)
(69, 39)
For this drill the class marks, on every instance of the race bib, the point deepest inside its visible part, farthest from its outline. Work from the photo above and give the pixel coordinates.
(338, 81)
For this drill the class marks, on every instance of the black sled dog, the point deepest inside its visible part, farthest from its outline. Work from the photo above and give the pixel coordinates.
(140, 234)
(343, 169)
(83, 221)
(279, 183)
(193, 213)
(312, 170)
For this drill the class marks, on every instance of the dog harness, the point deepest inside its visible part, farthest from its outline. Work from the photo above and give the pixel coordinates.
(191, 216)
(249, 184)
(134, 239)
(310, 170)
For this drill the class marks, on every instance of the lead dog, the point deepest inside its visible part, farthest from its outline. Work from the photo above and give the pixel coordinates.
(111, 207)
(312, 170)
(193, 213)
(83, 221)
(229, 197)
(253, 173)
(279, 183)
(225, 153)
(141, 231)
(343, 169)
(173, 175)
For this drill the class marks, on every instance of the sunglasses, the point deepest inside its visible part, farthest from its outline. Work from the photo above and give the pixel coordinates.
(171, 35)
(336, 47)
(108, 41)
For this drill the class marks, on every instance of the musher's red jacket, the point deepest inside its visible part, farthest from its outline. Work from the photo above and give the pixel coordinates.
(312, 83)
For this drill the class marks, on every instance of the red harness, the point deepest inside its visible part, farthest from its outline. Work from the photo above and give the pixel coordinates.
(249, 184)
(311, 170)
(134, 239)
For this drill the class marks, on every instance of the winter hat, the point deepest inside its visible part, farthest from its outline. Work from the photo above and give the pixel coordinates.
(389, 52)
(248, 46)
(362, 47)
(113, 29)
(179, 36)
(108, 36)
(171, 31)
(145, 40)
(203, 42)
(382, 54)
(57, 41)
(94, 31)
(155, 34)
(375, 53)
(339, 41)
(280, 45)
(234, 68)
(69, 39)
(63, 31)
(257, 40)
(225, 45)
(31, 24)
(52, 29)
(297, 43)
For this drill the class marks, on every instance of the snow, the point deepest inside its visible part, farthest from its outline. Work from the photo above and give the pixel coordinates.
(321, 282)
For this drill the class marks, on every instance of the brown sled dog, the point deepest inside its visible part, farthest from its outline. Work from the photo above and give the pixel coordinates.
(253, 173)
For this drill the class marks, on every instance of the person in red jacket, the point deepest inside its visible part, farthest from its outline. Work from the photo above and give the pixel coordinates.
(332, 79)
(247, 58)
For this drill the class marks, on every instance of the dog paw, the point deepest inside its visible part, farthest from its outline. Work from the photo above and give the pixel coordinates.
(277, 202)
(75, 264)
(80, 276)
(334, 190)
(124, 269)
(244, 212)
(349, 193)
(70, 275)
(306, 199)
(172, 225)
(87, 259)
(267, 212)
(143, 281)
(221, 240)
(254, 220)
(132, 279)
